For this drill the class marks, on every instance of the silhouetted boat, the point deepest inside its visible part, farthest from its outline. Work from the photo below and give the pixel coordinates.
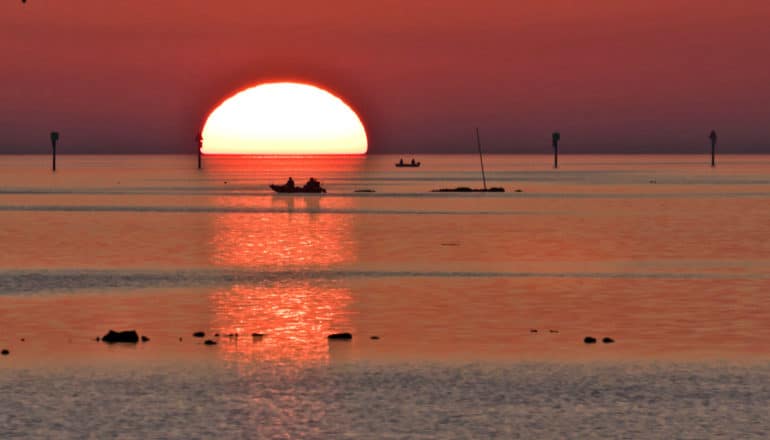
(466, 189)
(311, 187)
(483, 176)
(407, 164)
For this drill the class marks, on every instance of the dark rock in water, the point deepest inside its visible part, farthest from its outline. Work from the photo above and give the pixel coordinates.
(553, 331)
(5, 352)
(98, 339)
(257, 335)
(199, 334)
(374, 338)
(145, 339)
(518, 190)
(22, 339)
(343, 336)
(589, 340)
(216, 334)
(210, 342)
(533, 330)
(129, 336)
(608, 340)
(180, 339)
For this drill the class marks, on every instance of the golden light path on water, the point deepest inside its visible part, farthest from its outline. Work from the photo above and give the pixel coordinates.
(295, 316)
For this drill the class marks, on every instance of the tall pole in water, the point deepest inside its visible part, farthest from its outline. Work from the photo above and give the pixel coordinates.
(54, 139)
(481, 159)
(200, 146)
(713, 137)
(555, 137)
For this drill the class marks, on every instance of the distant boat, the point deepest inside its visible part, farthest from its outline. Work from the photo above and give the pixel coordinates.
(483, 176)
(412, 164)
(467, 189)
(311, 187)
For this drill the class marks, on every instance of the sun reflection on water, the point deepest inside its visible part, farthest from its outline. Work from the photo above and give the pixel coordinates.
(294, 319)
(282, 239)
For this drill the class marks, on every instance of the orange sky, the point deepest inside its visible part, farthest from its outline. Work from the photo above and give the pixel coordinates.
(612, 76)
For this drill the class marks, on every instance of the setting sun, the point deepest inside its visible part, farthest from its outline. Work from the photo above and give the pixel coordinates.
(283, 118)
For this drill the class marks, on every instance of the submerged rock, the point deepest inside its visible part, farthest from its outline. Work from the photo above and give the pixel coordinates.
(343, 336)
(199, 334)
(608, 340)
(210, 342)
(533, 330)
(589, 340)
(553, 331)
(128, 336)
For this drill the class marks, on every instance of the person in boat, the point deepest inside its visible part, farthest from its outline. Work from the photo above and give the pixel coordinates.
(413, 161)
(290, 183)
(312, 185)
(401, 161)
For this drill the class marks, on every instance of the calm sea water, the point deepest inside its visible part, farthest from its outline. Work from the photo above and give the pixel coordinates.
(666, 255)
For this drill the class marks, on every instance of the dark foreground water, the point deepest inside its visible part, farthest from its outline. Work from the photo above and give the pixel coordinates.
(519, 400)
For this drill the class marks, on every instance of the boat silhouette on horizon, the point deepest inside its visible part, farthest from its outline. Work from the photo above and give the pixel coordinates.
(412, 164)
(312, 186)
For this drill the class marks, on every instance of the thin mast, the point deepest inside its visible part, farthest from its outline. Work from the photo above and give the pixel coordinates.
(481, 159)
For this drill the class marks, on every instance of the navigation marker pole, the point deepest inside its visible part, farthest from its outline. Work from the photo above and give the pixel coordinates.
(54, 139)
(555, 137)
(200, 146)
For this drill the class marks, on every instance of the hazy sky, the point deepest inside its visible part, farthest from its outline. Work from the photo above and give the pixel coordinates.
(612, 76)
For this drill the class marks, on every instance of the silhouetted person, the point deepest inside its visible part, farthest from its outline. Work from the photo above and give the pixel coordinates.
(713, 137)
(412, 161)
(555, 137)
(401, 161)
(54, 139)
(290, 183)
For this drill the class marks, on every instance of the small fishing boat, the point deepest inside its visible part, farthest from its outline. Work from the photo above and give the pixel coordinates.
(311, 187)
(412, 164)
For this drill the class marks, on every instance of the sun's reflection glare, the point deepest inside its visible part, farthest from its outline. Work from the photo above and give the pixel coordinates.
(294, 319)
(283, 239)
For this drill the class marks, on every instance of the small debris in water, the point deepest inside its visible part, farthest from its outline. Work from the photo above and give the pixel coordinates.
(145, 339)
(608, 340)
(22, 339)
(365, 191)
(589, 340)
(450, 244)
(374, 338)
(553, 331)
(5, 352)
(533, 330)
(216, 334)
(180, 339)
(518, 190)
